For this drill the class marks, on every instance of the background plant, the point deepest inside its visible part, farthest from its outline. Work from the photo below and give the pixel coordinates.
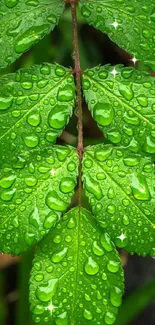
(36, 104)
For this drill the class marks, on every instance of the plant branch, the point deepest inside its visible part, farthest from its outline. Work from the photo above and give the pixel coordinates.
(77, 71)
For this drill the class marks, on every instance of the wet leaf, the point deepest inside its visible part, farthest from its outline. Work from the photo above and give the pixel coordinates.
(35, 106)
(120, 188)
(24, 23)
(35, 189)
(122, 102)
(77, 275)
(129, 24)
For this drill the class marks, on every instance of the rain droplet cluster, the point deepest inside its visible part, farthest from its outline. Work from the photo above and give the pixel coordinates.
(130, 26)
(123, 106)
(23, 24)
(120, 189)
(76, 274)
(35, 106)
(35, 189)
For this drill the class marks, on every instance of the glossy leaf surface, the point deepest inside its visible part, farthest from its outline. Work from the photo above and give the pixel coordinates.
(77, 276)
(122, 101)
(35, 189)
(129, 24)
(120, 188)
(23, 24)
(35, 106)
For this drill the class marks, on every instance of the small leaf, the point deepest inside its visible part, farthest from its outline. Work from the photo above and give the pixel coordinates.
(130, 25)
(120, 188)
(76, 278)
(23, 24)
(35, 106)
(122, 102)
(35, 189)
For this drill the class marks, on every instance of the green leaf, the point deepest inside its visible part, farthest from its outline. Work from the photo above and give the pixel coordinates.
(23, 24)
(122, 102)
(35, 106)
(77, 276)
(120, 188)
(35, 189)
(130, 25)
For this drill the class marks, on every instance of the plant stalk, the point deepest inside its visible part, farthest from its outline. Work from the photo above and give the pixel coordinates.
(77, 71)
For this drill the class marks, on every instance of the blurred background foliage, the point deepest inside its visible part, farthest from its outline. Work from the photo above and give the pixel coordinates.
(138, 306)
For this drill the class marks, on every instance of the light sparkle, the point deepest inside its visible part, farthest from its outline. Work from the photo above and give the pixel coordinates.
(114, 72)
(52, 172)
(134, 60)
(122, 237)
(115, 24)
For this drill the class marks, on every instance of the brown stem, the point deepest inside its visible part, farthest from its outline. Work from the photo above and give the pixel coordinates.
(77, 71)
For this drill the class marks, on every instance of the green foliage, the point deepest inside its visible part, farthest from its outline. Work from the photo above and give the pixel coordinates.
(35, 106)
(73, 270)
(23, 24)
(120, 189)
(77, 276)
(129, 24)
(35, 190)
(122, 102)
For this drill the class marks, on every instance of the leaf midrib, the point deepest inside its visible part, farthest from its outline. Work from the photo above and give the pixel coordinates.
(120, 100)
(128, 197)
(33, 107)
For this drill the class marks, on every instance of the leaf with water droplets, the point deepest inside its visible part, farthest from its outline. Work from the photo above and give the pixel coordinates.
(120, 188)
(131, 25)
(35, 189)
(76, 278)
(122, 101)
(35, 106)
(23, 24)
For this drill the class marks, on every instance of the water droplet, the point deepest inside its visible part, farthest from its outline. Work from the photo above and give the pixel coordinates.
(109, 318)
(97, 249)
(46, 292)
(87, 314)
(106, 242)
(103, 113)
(62, 319)
(113, 266)
(116, 296)
(131, 161)
(71, 223)
(149, 146)
(60, 71)
(140, 188)
(34, 119)
(85, 12)
(11, 3)
(58, 117)
(30, 37)
(30, 181)
(54, 202)
(59, 255)
(34, 218)
(50, 220)
(126, 91)
(31, 141)
(67, 185)
(93, 187)
(66, 94)
(91, 267)
(5, 103)
(7, 181)
(8, 195)
(103, 154)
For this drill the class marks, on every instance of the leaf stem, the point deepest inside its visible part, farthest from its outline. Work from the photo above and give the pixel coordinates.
(77, 71)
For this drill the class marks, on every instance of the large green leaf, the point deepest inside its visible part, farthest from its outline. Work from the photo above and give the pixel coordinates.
(129, 24)
(120, 188)
(76, 276)
(23, 24)
(35, 106)
(35, 189)
(123, 104)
